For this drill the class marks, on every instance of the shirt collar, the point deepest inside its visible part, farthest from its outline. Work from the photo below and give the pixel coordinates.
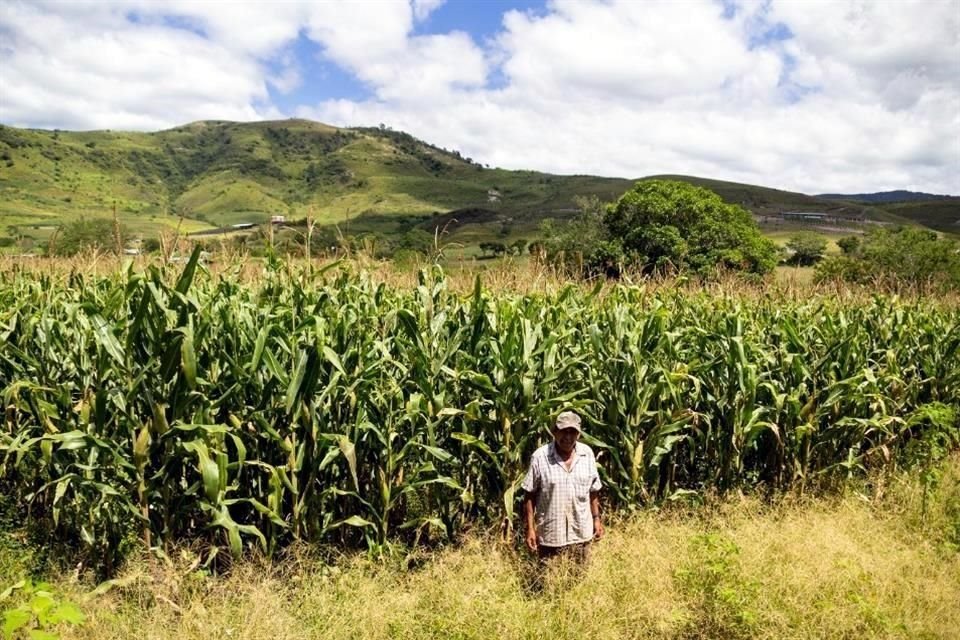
(577, 450)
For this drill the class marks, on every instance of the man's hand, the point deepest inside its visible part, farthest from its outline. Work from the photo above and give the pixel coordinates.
(532, 539)
(597, 529)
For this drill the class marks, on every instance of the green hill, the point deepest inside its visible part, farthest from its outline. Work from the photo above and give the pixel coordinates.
(214, 173)
(942, 215)
(222, 173)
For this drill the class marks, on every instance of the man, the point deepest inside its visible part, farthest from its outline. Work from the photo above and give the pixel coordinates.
(561, 505)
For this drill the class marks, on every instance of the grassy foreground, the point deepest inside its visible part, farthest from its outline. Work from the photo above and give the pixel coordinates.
(868, 564)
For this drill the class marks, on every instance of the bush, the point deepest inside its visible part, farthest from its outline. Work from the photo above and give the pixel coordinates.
(904, 254)
(849, 244)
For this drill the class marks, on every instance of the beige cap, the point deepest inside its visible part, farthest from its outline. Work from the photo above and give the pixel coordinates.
(568, 420)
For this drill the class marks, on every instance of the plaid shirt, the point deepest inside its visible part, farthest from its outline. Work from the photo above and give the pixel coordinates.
(563, 497)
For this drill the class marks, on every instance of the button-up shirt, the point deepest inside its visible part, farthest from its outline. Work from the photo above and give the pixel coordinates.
(562, 507)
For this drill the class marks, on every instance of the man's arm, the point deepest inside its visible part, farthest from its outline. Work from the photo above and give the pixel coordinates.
(595, 511)
(529, 501)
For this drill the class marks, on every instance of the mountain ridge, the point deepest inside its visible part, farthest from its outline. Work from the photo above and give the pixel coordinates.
(208, 174)
(885, 197)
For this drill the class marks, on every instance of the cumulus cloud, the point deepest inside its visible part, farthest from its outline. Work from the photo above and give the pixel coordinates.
(813, 96)
(831, 96)
(95, 68)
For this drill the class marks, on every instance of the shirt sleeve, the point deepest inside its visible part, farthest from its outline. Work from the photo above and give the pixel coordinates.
(531, 482)
(595, 484)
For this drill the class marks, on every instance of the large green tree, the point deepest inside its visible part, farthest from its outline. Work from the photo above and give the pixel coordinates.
(85, 234)
(674, 225)
(807, 248)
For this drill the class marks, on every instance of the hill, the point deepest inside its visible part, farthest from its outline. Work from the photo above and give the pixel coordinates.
(211, 174)
(885, 197)
(941, 215)
(224, 173)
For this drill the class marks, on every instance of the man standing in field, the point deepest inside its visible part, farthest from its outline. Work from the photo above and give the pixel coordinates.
(561, 505)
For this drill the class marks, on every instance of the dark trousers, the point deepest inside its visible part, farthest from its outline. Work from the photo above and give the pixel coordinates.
(579, 552)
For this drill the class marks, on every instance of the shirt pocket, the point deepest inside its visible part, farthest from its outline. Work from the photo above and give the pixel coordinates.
(582, 484)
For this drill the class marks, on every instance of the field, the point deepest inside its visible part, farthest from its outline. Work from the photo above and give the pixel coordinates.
(881, 562)
(277, 408)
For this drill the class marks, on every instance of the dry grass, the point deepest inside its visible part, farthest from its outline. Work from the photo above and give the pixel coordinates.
(842, 567)
(521, 276)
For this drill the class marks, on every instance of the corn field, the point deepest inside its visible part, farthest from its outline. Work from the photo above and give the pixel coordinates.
(319, 406)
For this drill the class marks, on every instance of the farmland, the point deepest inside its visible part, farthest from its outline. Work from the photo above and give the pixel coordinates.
(327, 407)
(263, 410)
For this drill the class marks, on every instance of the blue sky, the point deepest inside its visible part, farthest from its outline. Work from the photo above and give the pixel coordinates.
(482, 20)
(809, 95)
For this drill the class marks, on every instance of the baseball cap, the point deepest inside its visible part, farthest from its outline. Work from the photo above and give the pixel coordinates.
(568, 420)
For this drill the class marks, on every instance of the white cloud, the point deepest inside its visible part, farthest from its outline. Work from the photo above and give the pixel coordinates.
(96, 69)
(423, 8)
(379, 49)
(860, 96)
(863, 96)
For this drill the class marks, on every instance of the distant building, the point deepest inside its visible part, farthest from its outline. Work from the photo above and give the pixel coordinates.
(811, 216)
(277, 219)
(493, 195)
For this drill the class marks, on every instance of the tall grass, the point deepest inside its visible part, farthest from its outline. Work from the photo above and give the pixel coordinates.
(323, 405)
(861, 566)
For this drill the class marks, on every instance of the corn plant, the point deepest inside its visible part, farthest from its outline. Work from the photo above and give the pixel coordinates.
(156, 406)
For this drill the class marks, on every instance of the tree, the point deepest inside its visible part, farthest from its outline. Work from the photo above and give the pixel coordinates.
(85, 234)
(417, 240)
(661, 225)
(849, 244)
(807, 247)
(665, 223)
(493, 248)
(577, 245)
(518, 247)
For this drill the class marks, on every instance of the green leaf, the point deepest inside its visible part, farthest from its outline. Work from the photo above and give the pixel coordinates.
(14, 620)
(350, 453)
(188, 358)
(296, 381)
(67, 612)
(106, 338)
(438, 453)
(333, 359)
(41, 603)
(353, 521)
(186, 278)
(6, 593)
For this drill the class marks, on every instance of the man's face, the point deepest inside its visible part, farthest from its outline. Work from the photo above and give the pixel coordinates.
(566, 438)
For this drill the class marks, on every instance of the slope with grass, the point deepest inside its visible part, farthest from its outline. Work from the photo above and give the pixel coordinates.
(221, 173)
(941, 215)
(215, 173)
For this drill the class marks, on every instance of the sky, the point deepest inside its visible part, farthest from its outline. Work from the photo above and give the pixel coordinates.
(814, 96)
